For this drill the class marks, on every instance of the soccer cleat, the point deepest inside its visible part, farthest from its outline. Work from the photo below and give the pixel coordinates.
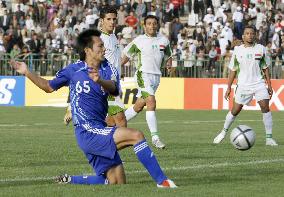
(68, 116)
(271, 142)
(65, 178)
(158, 143)
(167, 184)
(219, 137)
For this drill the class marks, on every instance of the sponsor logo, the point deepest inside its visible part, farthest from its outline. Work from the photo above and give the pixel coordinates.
(6, 87)
(130, 96)
(219, 102)
(12, 91)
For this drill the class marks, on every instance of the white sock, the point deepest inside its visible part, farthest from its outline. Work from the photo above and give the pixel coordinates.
(130, 113)
(152, 123)
(267, 120)
(229, 121)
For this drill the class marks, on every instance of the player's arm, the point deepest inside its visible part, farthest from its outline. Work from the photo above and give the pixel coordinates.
(231, 77)
(108, 85)
(124, 60)
(40, 82)
(129, 51)
(264, 63)
(169, 62)
(168, 55)
(233, 66)
(268, 81)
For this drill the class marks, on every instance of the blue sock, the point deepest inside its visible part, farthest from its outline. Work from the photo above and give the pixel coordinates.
(89, 180)
(148, 159)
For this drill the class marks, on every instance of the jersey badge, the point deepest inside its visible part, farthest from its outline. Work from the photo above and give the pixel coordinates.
(257, 56)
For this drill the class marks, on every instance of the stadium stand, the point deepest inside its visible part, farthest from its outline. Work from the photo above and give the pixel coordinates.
(202, 32)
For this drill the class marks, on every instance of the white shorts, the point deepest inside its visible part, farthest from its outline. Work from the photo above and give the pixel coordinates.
(147, 83)
(243, 95)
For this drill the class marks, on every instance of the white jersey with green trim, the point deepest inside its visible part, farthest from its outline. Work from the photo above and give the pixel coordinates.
(249, 62)
(113, 53)
(151, 52)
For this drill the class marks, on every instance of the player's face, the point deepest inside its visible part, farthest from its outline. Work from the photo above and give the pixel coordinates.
(109, 22)
(249, 36)
(98, 50)
(151, 27)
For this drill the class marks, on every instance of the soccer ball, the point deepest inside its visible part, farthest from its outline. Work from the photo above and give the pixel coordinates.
(242, 137)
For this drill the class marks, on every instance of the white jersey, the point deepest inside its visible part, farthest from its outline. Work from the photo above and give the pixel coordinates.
(151, 52)
(249, 62)
(113, 53)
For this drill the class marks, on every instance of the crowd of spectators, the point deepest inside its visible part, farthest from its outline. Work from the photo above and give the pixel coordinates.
(202, 32)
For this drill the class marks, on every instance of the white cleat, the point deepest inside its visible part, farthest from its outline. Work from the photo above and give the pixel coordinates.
(63, 179)
(167, 184)
(158, 143)
(218, 139)
(271, 142)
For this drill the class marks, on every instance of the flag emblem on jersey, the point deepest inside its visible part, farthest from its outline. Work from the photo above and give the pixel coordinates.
(162, 47)
(257, 56)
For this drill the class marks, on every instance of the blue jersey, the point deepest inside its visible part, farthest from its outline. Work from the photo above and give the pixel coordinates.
(88, 99)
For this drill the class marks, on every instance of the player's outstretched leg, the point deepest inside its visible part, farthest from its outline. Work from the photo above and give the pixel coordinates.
(125, 137)
(82, 180)
(132, 111)
(228, 122)
(230, 118)
(114, 175)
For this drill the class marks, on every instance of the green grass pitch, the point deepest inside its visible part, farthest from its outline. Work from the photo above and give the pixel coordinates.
(35, 147)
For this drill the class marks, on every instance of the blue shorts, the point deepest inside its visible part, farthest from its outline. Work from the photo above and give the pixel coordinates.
(98, 145)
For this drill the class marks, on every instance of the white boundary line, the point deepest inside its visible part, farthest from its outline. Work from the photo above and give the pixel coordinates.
(181, 168)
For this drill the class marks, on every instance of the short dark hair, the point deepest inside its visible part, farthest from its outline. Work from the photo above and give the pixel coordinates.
(106, 10)
(250, 27)
(151, 17)
(85, 39)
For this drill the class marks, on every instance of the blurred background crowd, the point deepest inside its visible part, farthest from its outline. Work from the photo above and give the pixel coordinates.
(202, 32)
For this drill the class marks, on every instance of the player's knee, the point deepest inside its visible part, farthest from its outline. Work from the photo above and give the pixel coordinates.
(138, 136)
(234, 113)
(151, 105)
(265, 109)
(116, 181)
(112, 181)
(121, 181)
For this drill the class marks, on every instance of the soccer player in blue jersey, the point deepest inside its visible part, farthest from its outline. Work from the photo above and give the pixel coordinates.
(91, 80)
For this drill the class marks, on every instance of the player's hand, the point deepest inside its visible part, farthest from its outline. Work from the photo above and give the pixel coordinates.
(270, 91)
(94, 74)
(227, 94)
(20, 67)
